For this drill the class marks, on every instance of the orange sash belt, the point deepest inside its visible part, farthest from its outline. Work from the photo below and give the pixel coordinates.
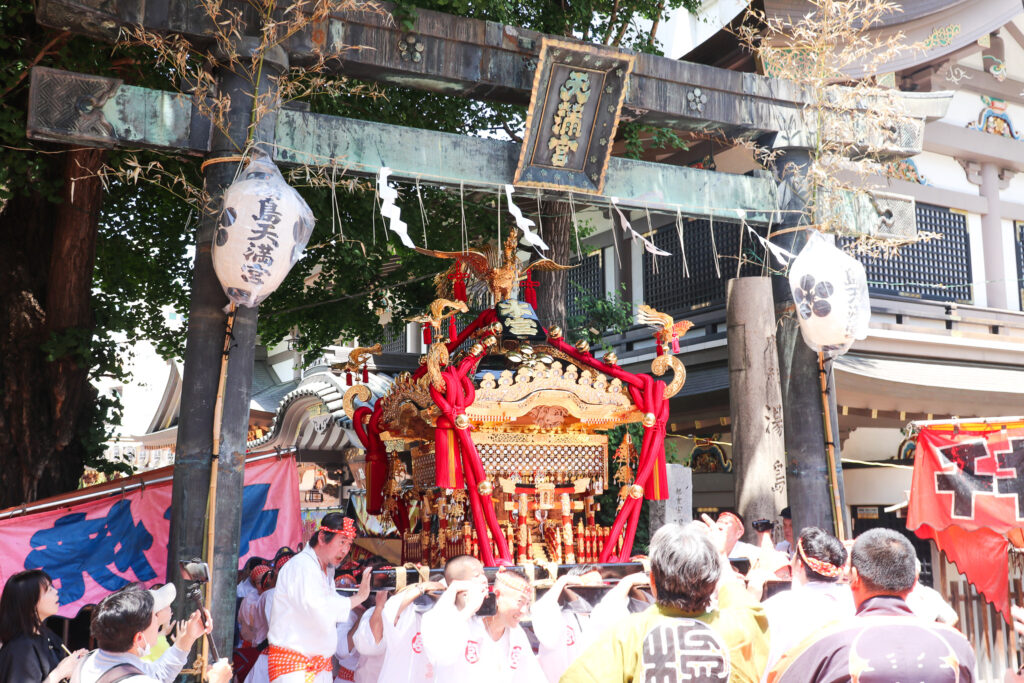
(282, 661)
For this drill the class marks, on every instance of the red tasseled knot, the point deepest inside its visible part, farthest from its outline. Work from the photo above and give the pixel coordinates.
(675, 343)
(453, 330)
(366, 374)
(348, 378)
(459, 280)
(530, 288)
(659, 349)
(427, 336)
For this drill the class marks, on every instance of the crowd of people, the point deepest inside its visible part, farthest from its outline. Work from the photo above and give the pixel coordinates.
(702, 607)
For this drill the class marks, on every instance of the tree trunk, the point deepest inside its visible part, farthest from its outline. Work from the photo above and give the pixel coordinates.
(45, 285)
(553, 291)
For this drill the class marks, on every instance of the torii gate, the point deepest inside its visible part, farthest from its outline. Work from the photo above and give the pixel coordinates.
(458, 56)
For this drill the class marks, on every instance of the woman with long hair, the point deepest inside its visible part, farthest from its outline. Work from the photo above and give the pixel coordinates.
(30, 652)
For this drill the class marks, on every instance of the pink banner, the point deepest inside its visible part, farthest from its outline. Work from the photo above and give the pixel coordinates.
(98, 546)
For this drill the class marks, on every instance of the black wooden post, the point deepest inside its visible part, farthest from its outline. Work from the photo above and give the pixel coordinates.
(807, 469)
(234, 426)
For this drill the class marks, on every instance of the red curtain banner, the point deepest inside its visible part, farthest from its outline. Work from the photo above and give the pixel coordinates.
(968, 496)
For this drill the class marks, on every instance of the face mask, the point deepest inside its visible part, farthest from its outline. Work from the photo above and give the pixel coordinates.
(146, 650)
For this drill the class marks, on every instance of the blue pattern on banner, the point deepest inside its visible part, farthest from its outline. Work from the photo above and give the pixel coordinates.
(75, 546)
(256, 522)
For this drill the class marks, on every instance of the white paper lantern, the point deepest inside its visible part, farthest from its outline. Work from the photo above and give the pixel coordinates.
(830, 290)
(263, 228)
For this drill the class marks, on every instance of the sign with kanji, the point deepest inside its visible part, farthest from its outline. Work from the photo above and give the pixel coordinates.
(574, 110)
(519, 321)
(99, 546)
(968, 495)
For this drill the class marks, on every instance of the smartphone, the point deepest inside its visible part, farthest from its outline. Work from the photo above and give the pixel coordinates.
(489, 607)
(740, 564)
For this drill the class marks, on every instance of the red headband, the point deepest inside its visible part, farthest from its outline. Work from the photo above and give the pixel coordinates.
(347, 530)
(816, 565)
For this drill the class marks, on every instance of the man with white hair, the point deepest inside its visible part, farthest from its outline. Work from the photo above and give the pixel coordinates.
(681, 637)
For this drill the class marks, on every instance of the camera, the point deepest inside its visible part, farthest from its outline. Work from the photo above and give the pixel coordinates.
(762, 525)
(194, 570)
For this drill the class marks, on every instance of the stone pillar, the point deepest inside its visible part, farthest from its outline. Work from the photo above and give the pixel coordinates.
(755, 400)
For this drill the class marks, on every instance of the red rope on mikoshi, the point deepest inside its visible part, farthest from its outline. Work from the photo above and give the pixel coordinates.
(458, 279)
(530, 288)
(376, 455)
(648, 396)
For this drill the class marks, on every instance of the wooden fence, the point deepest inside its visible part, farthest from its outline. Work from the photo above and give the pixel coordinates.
(995, 644)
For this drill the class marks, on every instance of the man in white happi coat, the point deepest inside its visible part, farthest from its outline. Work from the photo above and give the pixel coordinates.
(464, 647)
(307, 609)
(403, 635)
(368, 640)
(816, 599)
(563, 634)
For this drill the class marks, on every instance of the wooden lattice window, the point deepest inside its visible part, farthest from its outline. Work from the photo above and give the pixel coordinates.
(666, 285)
(587, 275)
(938, 270)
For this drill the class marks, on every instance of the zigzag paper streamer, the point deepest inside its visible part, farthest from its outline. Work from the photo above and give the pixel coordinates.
(781, 255)
(389, 210)
(522, 222)
(633, 234)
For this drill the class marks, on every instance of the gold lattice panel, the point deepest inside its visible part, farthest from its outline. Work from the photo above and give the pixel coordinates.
(505, 453)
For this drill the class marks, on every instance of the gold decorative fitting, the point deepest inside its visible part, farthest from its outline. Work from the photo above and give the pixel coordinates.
(490, 341)
(461, 421)
(497, 327)
(476, 349)
(555, 332)
(423, 359)
(611, 358)
(485, 487)
(583, 346)
(636, 491)
(648, 420)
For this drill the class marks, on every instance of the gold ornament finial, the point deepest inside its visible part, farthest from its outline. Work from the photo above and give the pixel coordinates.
(636, 491)
(555, 332)
(485, 487)
(583, 346)
(461, 421)
(648, 420)
(611, 358)
(500, 280)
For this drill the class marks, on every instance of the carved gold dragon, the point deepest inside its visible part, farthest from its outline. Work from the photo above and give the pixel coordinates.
(438, 312)
(500, 279)
(665, 329)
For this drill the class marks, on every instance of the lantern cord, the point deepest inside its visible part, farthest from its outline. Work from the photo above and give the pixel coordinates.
(499, 218)
(423, 212)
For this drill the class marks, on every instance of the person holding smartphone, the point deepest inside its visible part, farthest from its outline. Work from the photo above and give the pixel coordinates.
(463, 646)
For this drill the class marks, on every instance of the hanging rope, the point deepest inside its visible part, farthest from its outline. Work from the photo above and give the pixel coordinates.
(423, 212)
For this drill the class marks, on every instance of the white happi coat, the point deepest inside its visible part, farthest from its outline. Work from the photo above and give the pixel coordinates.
(406, 660)
(371, 652)
(461, 650)
(306, 611)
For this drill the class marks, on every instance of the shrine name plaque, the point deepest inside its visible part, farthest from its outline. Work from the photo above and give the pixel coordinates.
(574, 110)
